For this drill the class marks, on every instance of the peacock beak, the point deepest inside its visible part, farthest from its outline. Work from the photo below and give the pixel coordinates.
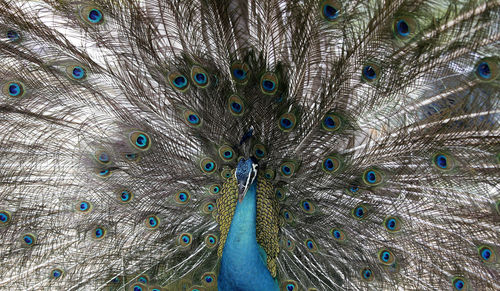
(242, 191)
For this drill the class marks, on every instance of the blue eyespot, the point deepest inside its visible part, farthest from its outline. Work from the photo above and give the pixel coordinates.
(78, 72)
(143, 280)
(330, 12)
(290, 287)
(228, 154)
(131, 157)
(184, 239)
(402, 28)
(180, 81)
(116, 280)
(193, 119)
(239, 74)
(141, 140)
(360, 212)
(287, 215)
(371, 177)
(306, 206)
(125, 196)
(367, 274)
(391, 224)
(56, 273)
(486, 254)
(182, 197)
(369, 72)
(12, 35)
(209, 166)
(29, 239)
(201, 78)
(259, 153)
(208, 279)
(15, 89)
(84, 206)
(94, 16)
(286, 123)
(354, 189)
(329, 122)
(459, 284)
(441, 161)
(103, 157)
(483, 70)
(336, 234)
(104, 173)
(153, 222)
(4, 217)
(268, 85)
(99, 232)
(329, 165)
(137, 288)
(236, 107)
(286, 170)
(385, 256)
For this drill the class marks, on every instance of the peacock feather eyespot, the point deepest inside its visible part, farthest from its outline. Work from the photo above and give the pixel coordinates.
(259, 151)
(487, 254)
(178, 81)
(338, 234)
(331, 122)
(353, 190)
(84, 207)
(28, 239)
(367, 275)
(269, 83)
(104, 173)
(192, 119)
(143, 279)
(185, 239)
(330, 10)
(56, 273)
(370, 73)
(98, 232)
(209, 279)
(288, 168)
(116, 280)
(289, 285)
(443, 161)
(386, 257)
(155, 288)
(373, 177)
(311, 245)
(199, 77)
(269, 174)
(307, 206)
(208, 207)
(214, 189)
(211, 240)
(487, 69)
(92, 15)
(360, 212)
(331, 164)
(125, 196)
(226, 153)
(405, 27)
(459, 283)
(13, 89)
(287, 215)
(392, 224)
(152, 222)
(182, 197)
(132, 157)
(288, 244)
(138, 287)
(102, 157)
(5, 217)
(287, 122)
(208, 166)
(236, 105)
(140, 140)
(226, 173)
(13, 36)
(280, 194)
(240, 72)
(76, 72)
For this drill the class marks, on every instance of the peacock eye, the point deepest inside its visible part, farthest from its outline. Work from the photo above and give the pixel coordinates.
(330, 10)
(199, 77)
(240, 72)
(269, 83)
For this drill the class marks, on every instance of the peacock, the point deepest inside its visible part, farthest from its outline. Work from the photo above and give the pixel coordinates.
(249, 145)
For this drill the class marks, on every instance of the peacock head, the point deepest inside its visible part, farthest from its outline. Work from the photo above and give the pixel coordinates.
(245, 174)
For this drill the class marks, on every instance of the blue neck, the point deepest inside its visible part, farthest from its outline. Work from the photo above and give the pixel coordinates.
(243, 264)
